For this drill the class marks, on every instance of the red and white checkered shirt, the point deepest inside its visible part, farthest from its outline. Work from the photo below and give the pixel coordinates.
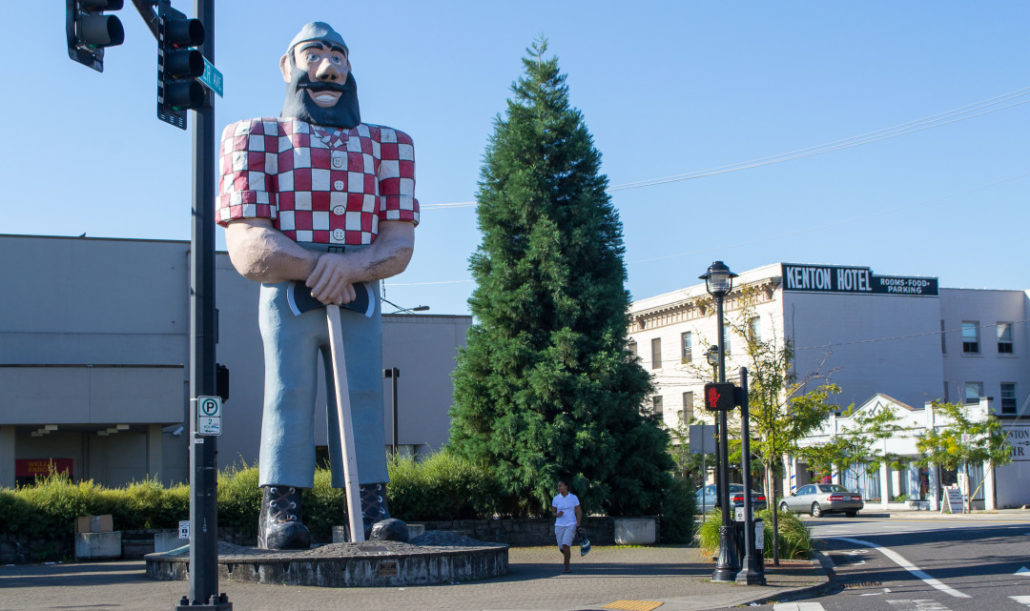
(317, 184)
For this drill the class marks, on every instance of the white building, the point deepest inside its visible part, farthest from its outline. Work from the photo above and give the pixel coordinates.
(902, 337)
(94, 353)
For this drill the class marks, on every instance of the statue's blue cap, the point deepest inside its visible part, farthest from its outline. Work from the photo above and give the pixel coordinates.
(321, 31)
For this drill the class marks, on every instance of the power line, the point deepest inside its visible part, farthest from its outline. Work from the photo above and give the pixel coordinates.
(962, 113)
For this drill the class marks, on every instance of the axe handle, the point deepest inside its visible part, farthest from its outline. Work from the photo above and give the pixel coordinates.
(346, 429)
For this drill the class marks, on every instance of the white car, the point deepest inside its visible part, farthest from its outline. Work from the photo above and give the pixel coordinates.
(817, 499)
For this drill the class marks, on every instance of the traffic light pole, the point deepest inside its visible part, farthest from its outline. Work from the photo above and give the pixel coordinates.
(203, 572)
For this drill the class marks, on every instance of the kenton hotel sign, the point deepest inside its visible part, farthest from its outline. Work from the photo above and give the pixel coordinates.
(840, 279)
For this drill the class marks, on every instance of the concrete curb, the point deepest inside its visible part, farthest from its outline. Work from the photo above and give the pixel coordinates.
(809, 591)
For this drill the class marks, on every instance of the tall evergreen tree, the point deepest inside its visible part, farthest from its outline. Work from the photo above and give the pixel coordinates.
(546, 388)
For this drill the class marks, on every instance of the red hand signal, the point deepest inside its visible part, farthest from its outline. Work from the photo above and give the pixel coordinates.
(713, 397)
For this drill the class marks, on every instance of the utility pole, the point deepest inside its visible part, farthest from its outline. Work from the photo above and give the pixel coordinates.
(393, 373)
(203, 589)
(186, 80)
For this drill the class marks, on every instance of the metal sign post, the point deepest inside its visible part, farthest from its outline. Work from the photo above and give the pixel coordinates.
(203, 590)
(750, 574)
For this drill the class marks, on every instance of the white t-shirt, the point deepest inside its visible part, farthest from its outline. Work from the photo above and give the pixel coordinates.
(567, 504)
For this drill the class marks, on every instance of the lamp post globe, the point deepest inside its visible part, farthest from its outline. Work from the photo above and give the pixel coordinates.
(718, 279)
(712, 354)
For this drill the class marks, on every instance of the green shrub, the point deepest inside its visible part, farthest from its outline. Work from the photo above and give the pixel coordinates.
(239, 500)
(794, 541)
(324, 507)
(48, 509)
(677, 525)
(443, 487)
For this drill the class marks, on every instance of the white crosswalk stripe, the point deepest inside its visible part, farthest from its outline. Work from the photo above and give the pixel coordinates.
(1023, 600)
(918, 604)
(798, 607)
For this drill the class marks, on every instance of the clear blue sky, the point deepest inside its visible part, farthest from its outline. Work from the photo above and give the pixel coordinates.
(666, 88)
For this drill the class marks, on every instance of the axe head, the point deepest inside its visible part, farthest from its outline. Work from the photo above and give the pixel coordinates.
(299, 298)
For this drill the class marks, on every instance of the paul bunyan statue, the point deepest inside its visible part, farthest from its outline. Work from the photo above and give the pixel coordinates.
(315, 198)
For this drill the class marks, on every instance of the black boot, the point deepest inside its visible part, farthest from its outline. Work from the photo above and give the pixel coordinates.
(279, 526)
(375, 518)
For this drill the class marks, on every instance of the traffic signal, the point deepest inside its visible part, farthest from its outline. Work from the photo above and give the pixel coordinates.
(179, 64)
(90, 30)
(720, 397)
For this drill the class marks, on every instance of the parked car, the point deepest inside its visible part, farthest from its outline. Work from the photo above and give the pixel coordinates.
(817, 499)
(706, 498)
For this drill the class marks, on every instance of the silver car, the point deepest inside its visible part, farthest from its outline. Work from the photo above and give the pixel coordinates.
(706, 498)
(817, 499)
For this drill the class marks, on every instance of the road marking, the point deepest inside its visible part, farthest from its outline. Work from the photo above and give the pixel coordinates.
(634, 605)
(919, 604)
(908, 566)
(885, 591)
(1023, 600)
(1025, 572)
(798, 607)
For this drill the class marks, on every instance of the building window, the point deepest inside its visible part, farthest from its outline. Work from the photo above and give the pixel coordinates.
(974, 390)
(632, 346)
(944, 345)
(971, 337)
(946, 398)
(1004, 338)
(687, 346)
(688, 407)
(726, 340)
(656, 353)
(1008, 398)
(656, 405)
(754, 328)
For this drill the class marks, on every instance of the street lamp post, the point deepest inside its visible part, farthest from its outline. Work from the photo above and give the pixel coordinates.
(719, 281)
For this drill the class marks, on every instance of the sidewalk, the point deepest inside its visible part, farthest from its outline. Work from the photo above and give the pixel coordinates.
(677, 577)
(998, 515)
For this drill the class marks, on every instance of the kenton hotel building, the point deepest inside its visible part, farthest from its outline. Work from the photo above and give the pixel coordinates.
(897, 339)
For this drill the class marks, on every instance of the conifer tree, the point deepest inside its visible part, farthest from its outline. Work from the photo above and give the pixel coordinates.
(546, 387)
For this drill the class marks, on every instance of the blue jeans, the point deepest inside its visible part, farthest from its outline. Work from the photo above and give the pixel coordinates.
(292, 345)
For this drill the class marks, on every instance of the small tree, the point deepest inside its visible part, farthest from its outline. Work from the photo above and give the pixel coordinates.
(842, 452)
(873, 431)
(967, 438)
(784, 409)
(689, 465)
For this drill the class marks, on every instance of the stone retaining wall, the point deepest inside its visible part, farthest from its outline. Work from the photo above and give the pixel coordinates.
(521, 532)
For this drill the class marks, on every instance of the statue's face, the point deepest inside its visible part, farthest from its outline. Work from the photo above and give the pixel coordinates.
(326, 69)
(320, 87)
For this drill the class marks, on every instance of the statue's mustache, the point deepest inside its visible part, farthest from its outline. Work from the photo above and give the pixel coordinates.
(306, 83)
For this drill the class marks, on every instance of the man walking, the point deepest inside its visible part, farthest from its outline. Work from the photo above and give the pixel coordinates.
(567, 516)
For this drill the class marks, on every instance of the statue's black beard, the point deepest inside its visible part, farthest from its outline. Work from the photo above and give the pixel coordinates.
(299, 105)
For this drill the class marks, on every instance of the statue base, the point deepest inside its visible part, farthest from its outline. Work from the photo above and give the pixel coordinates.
(341, 565)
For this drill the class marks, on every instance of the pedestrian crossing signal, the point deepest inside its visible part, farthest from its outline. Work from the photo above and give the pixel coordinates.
(720, 397)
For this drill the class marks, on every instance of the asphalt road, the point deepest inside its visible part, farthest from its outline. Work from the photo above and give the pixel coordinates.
(921, 565)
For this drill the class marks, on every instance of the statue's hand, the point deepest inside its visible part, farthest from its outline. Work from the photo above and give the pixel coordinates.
(332, 280)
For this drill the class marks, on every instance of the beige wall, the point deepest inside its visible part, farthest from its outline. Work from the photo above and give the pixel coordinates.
(95, 333)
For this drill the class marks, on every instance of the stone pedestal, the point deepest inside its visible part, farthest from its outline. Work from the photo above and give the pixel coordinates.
(636, 531)
(98, 546)
(369, 563)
